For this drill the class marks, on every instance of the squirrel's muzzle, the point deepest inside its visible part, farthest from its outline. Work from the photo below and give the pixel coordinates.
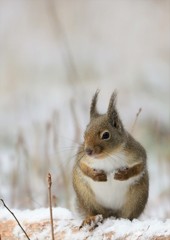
(90, 151)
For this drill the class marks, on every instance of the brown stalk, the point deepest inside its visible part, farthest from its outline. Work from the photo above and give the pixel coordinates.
(50, 203)
(15, 219)
(76, 121)
(136, 118)
(59, 31)
(55, 121)
(25, 159)
(46, 167)
(47, 143)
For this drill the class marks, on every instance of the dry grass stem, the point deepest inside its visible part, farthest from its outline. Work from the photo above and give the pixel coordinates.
(76, 121)
(59, 31)
(50, 203)
(15, 218)
(55, 127)
(136, 118)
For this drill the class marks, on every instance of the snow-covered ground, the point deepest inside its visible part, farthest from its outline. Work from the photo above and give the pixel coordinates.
(66, 226)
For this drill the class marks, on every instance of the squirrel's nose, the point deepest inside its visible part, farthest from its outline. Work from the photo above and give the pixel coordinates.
(89, 151)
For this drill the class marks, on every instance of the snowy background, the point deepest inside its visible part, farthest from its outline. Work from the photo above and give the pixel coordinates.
(53, 57)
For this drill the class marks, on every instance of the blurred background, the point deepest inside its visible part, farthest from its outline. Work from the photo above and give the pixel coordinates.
(53, 57)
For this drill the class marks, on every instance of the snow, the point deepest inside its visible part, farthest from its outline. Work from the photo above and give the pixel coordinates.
(67, 222)
(35, 215)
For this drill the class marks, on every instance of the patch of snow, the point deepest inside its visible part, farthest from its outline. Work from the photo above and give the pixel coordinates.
(35, 215)
(136, 229)
(124, 227)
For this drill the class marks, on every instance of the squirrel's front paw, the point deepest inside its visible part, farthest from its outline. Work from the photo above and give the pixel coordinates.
(122, 174)
(99, 175)
(95, 174)
(128, 172)
(92, 222)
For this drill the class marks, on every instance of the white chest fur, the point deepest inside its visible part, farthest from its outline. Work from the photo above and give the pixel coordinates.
(112, 193)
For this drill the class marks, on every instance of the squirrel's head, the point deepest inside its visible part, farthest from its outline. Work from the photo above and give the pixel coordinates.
(105, 132)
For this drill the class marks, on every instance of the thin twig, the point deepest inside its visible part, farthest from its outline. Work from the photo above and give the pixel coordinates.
(15, 218)
(56, 127)
(76, 121)
(136, 118)
(50, 203)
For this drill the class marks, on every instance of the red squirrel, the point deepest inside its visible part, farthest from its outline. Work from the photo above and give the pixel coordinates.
(110, 174)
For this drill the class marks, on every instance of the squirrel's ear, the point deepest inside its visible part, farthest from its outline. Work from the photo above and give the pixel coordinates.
(112, 113)
(93, 109)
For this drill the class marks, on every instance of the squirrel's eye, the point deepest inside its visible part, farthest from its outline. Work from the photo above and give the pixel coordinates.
(105, 135)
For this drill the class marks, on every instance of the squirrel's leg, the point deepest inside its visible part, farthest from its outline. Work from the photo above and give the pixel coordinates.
(128, 172)
(96, 175)
(92, 221)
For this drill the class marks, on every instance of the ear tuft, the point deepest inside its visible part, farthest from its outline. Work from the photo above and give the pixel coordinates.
(112, 113)
(93, 109)
(112, 102)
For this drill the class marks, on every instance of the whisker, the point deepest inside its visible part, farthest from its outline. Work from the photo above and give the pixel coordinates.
(69, 139)
(71, 158)
(80, 157)
(57, 151)
(75, 155)
(115, 157)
